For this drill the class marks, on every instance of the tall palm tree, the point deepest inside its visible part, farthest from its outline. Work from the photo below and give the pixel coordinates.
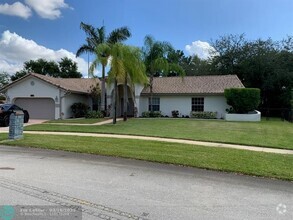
(155, 58)
(135, 72)
(126, 66)
(117, 73)
(96, 37)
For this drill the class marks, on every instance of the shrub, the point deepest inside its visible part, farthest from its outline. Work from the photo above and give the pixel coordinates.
(242, 100)
(149, 114)
(94, 114)
(79, 109)
(204, 115)
(175, 113)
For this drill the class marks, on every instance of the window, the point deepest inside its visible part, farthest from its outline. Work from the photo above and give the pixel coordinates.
(197, 104)
(155, 103)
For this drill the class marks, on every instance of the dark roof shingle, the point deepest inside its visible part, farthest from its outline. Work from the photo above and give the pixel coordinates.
(213, 84)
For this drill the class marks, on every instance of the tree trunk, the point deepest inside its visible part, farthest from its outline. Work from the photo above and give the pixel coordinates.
(115, 102)
(125, 100)
(103, 92)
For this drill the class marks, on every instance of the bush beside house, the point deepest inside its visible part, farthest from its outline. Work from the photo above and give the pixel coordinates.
(94, 114)
(203, 115)
(154, 114)
(79, 109)
(175, 113)
(242, 100)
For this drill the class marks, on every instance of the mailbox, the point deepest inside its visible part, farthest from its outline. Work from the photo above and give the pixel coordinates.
(16, 125)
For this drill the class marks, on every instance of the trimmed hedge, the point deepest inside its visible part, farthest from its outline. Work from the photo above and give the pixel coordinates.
(203, 115)
(94, 114)
(242, 100)
(149, 114)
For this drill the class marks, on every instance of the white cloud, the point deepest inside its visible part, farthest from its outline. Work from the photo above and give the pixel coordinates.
(9, 67)
(15, 50)
(202, 49)
(16, 9)
(49, 9)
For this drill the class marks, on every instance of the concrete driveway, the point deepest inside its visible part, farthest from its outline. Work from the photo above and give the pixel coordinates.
(115, 188)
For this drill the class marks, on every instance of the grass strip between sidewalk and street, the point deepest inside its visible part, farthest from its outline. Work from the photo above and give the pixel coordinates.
(221, 159)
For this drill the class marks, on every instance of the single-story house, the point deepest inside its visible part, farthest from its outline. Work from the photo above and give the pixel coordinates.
(50, 98)
(184, 94)
(47, 97)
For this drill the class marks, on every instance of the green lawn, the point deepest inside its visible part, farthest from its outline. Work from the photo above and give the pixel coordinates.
(276, 134)
(78, 121)
(231, 160)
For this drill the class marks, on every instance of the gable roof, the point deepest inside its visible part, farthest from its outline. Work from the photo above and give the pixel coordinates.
(75, 85)
(213, 84)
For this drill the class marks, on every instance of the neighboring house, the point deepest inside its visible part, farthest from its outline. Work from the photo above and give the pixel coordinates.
(46, 97)
(50, 98)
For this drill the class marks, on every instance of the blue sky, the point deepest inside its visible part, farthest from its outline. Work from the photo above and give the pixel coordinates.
(31, 29)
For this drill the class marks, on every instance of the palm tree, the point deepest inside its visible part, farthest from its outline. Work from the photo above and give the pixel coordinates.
(135, 72)
(126, 66)
(117, 72)
(155, 58)
(96, 37)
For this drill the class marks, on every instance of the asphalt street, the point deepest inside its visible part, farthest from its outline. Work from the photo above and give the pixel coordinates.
(115, 188)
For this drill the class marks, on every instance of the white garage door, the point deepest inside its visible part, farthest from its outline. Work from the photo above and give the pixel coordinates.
(38, 108)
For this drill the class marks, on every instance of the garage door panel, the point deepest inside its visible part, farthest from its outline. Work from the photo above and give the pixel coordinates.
(38, 108)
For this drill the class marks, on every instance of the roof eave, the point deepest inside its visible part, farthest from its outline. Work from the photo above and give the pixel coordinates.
(13, 83)
(184, 94)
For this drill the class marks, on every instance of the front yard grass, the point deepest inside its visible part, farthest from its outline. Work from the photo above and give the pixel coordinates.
(78, 121)
(222, 159)
(275, 134)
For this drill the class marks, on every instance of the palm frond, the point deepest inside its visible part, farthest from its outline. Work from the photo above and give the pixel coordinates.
(119, 35)
(85, 48)
(134, 65)
(102, 34)
(103, 52)
(89, 30)
(93, 66)
(117, 66)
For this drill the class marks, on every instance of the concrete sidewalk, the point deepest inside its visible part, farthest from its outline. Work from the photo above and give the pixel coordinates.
(109, 121)
(147, 138)
(169, 140)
